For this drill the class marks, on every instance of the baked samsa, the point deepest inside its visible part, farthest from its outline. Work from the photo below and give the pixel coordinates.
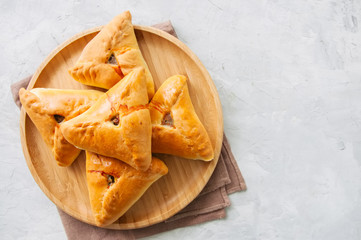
(176, 127)
(118, 125)
(50, 108)
(110, 55)
(115, 186)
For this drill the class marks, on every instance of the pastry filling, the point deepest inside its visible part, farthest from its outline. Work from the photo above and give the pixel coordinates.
(110, 180)
(115, 120)
(58, 118)
(167, 119)
(112, 60)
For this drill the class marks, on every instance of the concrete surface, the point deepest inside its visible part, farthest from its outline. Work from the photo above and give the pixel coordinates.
(289, 78)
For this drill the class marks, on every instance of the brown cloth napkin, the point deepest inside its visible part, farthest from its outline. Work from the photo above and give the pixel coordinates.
(209, 205)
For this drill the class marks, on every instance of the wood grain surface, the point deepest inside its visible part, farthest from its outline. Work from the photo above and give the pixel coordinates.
(67, 187)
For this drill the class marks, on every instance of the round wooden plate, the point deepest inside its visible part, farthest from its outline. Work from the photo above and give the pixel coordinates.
(67, 187)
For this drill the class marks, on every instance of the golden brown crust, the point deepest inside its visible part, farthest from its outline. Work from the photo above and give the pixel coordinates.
(115, 186)
(118, 125)
(117, 38)
(43, 104)
(176, 128)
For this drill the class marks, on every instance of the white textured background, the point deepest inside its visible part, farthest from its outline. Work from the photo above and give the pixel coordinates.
(289, 78)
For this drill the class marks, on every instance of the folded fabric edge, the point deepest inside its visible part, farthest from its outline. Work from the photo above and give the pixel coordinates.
(237, 181)
(15, 87)
(167, 27)
(222, 179)
(76, 230)
(219, 199)
(185, 222)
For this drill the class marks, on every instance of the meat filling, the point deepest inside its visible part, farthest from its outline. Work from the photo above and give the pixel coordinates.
(167, 119)
(115, 120)
(59, 118)
(110, 180)
(112, 60)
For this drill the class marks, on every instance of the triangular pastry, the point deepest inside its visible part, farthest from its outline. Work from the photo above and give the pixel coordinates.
(50, 108)
(118, 125)
(177, 129)
(110, 55)
(115, 186)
